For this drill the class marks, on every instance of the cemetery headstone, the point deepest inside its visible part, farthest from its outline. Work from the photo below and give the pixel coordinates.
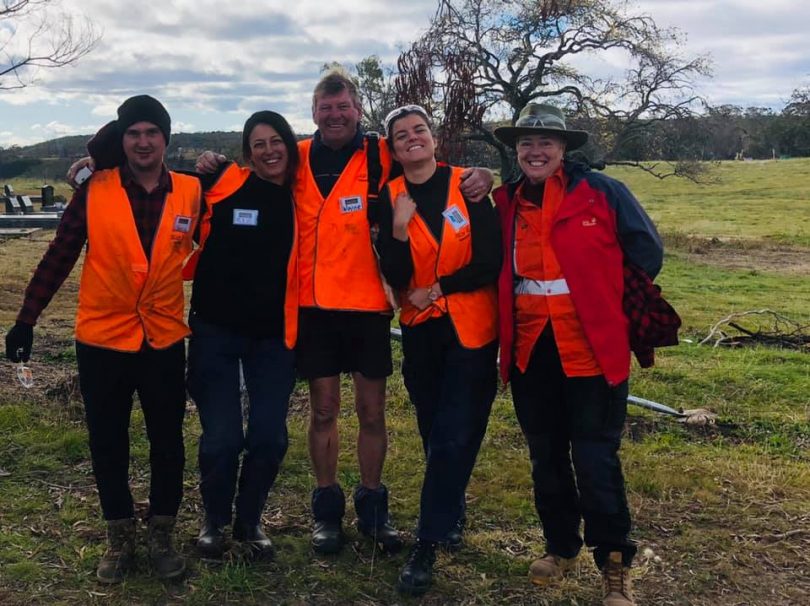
(26, 205)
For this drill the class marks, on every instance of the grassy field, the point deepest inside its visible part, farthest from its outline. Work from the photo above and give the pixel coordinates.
(722, 513)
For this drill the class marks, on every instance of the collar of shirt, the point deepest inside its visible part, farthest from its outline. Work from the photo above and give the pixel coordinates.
(353, 145)
(530, 194)
(128, 179)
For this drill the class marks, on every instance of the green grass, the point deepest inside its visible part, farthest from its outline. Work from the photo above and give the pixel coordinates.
(704, 294)
(763, 199)
(721, 513)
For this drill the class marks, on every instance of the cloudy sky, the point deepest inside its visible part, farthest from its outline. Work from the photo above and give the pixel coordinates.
(213, 63)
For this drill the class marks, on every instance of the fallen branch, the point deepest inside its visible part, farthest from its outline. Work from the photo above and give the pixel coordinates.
(781, 331)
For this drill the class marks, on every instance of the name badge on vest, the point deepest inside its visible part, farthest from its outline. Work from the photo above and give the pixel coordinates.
(351, 204)
(182, 223)
(243, 216)
(455, 217)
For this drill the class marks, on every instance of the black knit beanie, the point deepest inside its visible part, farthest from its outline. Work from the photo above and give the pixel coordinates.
(144, 108)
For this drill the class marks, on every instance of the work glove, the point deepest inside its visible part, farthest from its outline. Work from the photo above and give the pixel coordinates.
(19, 341)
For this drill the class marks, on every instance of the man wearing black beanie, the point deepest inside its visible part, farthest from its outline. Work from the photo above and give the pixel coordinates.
(105, 147)
(144, 108)
(137, 219)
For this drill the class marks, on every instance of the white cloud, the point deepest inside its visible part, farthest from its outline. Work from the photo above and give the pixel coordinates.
(214, 63)
(183, 127)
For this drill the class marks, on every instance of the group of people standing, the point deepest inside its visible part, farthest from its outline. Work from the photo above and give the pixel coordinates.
(288, 278)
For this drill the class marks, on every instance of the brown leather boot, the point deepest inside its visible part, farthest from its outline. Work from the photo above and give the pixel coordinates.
(550, 568)
(616, 582)
(120, 554)
(166, 562)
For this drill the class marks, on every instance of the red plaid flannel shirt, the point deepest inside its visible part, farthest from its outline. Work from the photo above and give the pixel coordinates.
(653, 321)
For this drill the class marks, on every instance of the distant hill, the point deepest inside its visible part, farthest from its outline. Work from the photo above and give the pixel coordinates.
(51, 159)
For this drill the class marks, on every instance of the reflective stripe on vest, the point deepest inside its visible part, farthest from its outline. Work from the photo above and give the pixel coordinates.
(473, 314)
(229, 182)
(337, 265)
(124, 297)
(543, 288)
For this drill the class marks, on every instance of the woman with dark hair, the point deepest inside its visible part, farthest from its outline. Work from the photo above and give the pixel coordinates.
(244, 310)
(441, 253)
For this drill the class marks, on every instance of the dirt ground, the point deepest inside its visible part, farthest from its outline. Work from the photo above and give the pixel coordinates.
(746, 255)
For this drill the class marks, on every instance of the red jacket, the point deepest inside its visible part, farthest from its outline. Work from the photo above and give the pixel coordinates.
(599, 223)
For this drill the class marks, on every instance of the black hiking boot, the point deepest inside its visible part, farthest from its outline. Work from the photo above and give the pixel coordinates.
(371, 506)
(455, 538)
(211, 540)
(328, 507)
(252, 536)
(417, 574)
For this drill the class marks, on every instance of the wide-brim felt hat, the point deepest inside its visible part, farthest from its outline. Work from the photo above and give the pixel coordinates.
(541, 119)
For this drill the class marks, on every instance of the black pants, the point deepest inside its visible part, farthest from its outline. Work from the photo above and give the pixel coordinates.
(452, 389)
(108, 380)
(573, 427)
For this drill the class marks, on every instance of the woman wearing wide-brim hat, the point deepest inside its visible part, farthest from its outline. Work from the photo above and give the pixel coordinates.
(567, 232)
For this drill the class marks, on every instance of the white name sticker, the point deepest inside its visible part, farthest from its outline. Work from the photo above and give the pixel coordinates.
(455, 217)
(243, 216)
(182, 223)
(351, 204)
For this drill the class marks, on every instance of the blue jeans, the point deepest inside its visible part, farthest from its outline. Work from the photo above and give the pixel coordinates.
(213, 382)
(452, 389)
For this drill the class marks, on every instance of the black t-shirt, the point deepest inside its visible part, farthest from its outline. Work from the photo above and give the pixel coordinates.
(241, 279)
(327, 164)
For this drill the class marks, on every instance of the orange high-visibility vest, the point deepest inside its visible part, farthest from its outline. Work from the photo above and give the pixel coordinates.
(229, 182)
(124, 297)
(337, 266)
(474, 314)
(543, 294)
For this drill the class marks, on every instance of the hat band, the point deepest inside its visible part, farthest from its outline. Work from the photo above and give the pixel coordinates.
(535, 122)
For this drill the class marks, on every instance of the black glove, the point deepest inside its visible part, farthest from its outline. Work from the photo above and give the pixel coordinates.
(19, 341)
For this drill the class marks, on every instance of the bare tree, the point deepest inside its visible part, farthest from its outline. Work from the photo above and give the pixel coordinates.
(481, 61)
(35, 34)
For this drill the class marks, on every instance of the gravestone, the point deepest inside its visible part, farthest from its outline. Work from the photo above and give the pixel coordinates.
(47, 195)
(9, 191)
(12, 206)
(26, 205)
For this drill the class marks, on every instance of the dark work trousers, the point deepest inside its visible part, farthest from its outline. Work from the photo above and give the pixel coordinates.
(573, 427)
(108, 380)
(268, 366)
(452, 389)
